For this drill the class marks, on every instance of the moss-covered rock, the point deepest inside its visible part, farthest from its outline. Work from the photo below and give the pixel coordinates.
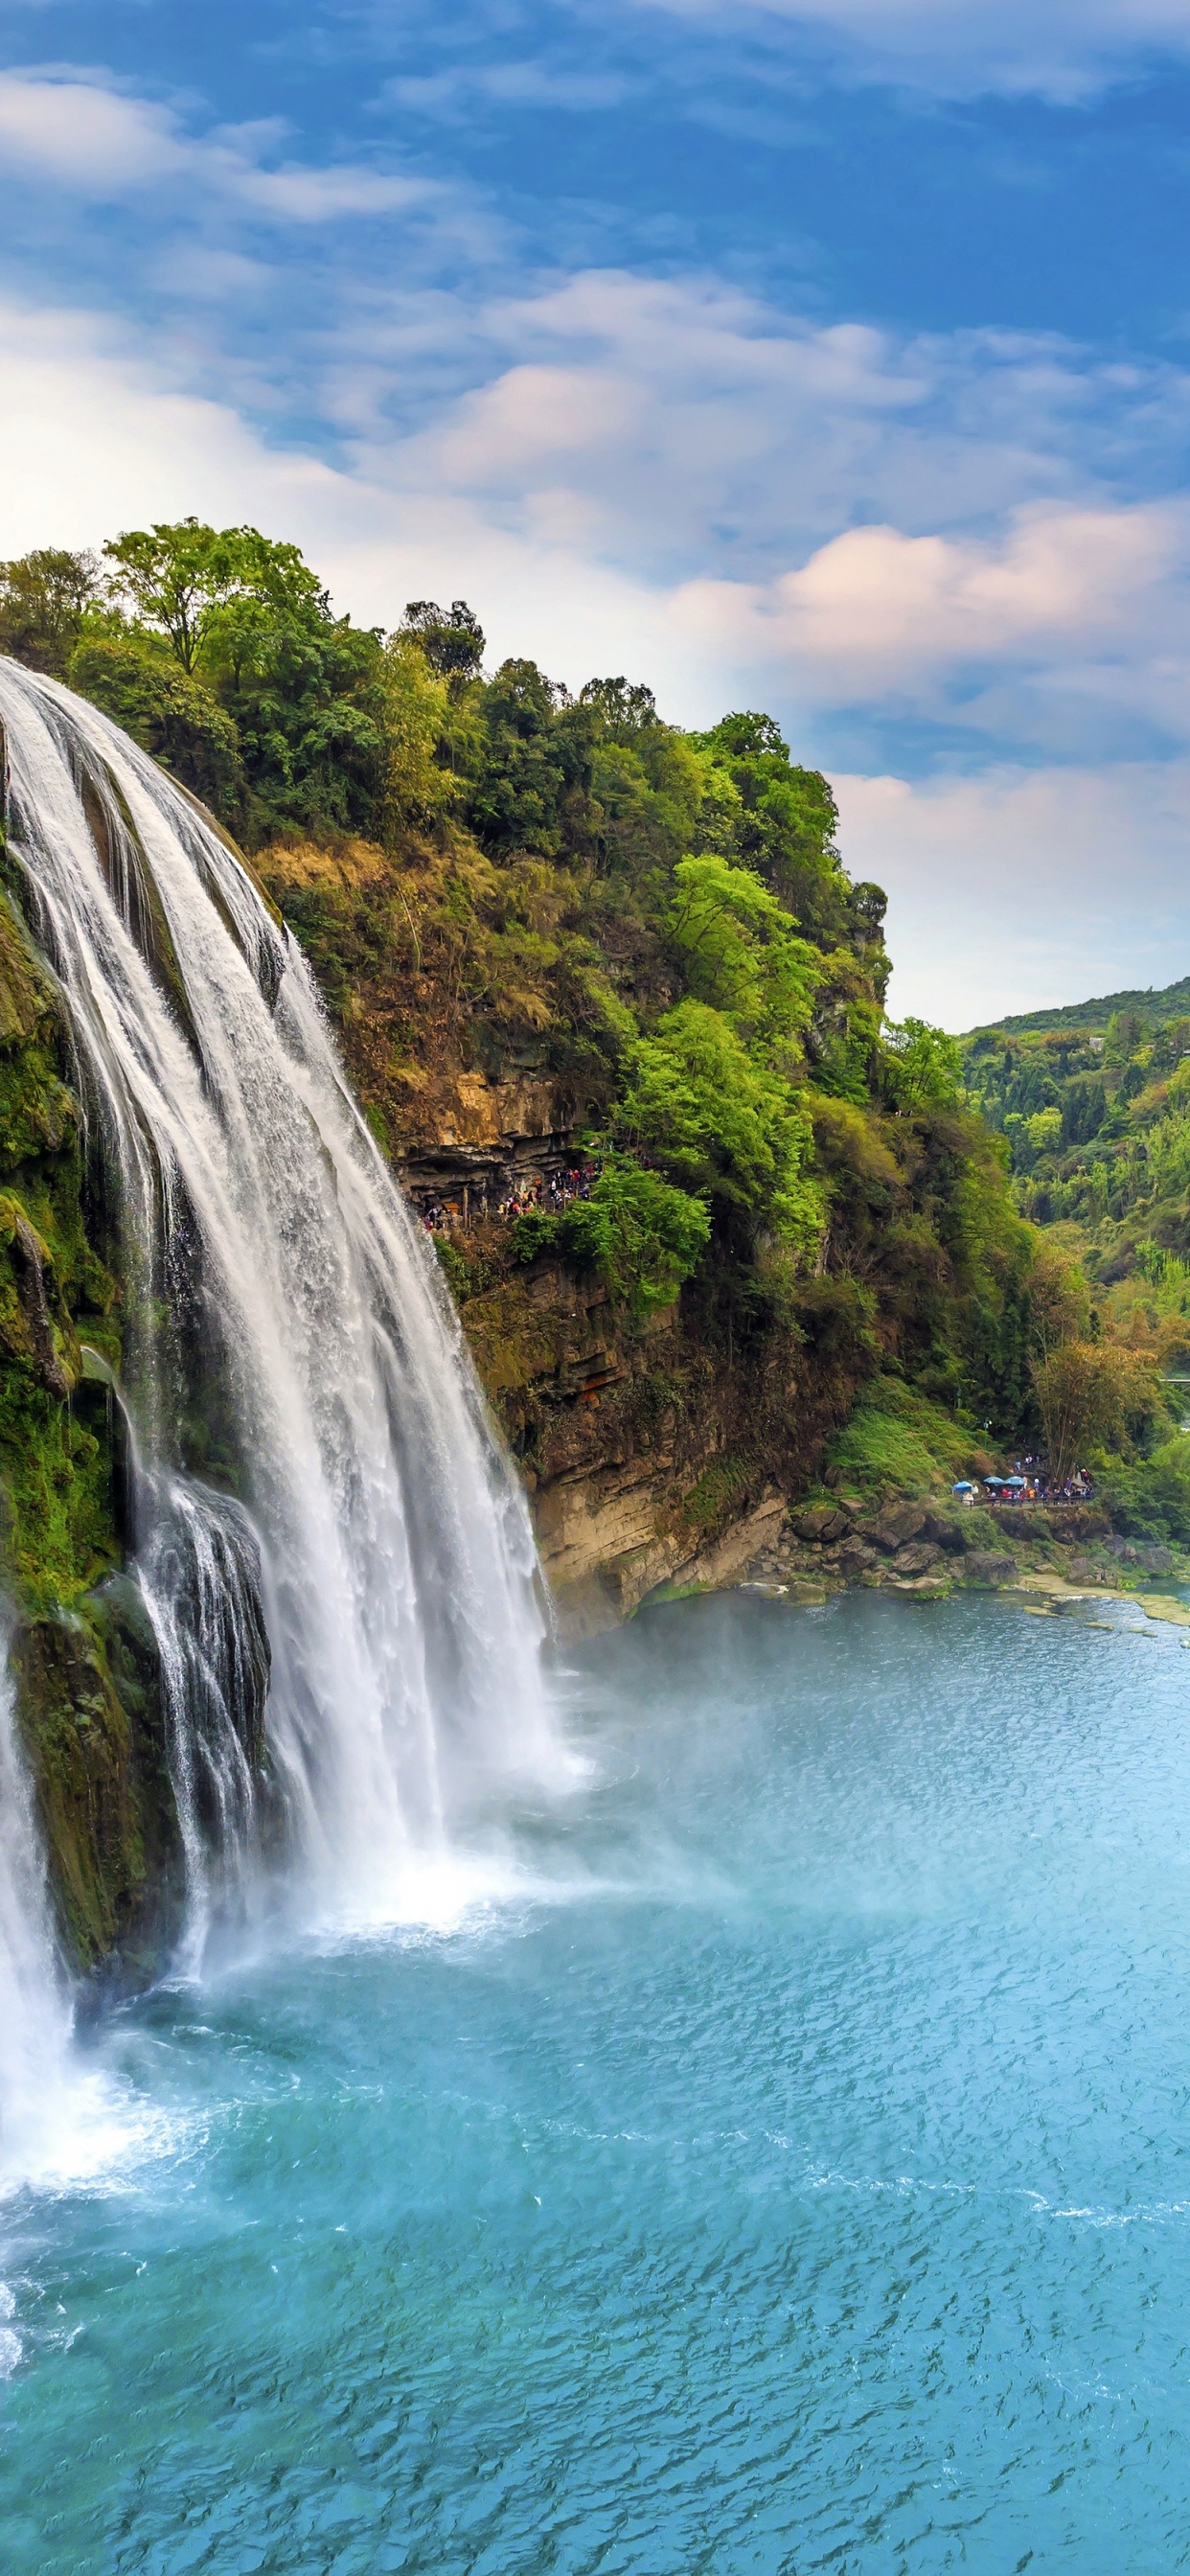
(82, 1651)
(89, 1699)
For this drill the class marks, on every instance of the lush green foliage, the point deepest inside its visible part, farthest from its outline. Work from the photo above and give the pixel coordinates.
(897, 1437)
(642, 1236)
(519, 880)
(1097, 1120)
(55, 1434)
(1149, 1498)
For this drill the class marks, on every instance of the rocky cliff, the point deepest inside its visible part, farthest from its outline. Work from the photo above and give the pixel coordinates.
(82, 1648)
(660, 1448)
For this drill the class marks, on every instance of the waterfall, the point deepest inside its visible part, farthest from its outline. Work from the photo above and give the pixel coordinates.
(334, 1552)
(34, 2007)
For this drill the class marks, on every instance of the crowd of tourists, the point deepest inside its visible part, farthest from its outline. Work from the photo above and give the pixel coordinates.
(559, 1190)
(1031, 1482)
(549, 1194)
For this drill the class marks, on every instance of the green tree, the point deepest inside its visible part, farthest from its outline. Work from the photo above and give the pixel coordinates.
(169, 577)
(44, 598)
(626, 709)
(1087, 1394)
(1044, 1130)
(922, 1066)
(534, 761)
(418, 786)
(451, 639)
(720, 1125)
(171, 715)
(787, 825)
(740, 950)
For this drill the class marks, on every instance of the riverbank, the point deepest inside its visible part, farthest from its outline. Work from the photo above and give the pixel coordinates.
(930, 1549)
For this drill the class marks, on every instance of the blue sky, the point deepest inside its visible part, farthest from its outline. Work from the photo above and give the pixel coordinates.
(833, 358)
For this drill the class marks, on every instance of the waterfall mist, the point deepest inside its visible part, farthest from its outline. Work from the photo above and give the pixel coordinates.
(34, 2005)
(335, 1555)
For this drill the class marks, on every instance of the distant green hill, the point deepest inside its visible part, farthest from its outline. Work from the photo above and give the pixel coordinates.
(1172, 1003)
(1093, 1101)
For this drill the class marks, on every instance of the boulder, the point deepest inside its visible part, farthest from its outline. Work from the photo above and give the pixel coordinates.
(944, 1529)
(1083, 1569)
(855, 1558)
(917, 1558)
(1155, 1558)
(989, 1565)
(896, 1525)
(819, 1522)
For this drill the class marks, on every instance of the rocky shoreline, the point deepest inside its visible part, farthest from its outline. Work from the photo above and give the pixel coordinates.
(930, 1549)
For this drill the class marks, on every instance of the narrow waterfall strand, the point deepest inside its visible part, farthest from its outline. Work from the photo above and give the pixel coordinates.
(35, 2014)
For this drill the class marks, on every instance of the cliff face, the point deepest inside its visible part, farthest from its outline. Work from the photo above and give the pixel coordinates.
(661, 1447)
(652, 1456)
(82, 1650)
(655, 1452)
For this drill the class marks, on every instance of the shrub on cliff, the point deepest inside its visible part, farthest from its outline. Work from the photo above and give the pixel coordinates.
(897, 1438)
(640, 1235)
(722, 1125)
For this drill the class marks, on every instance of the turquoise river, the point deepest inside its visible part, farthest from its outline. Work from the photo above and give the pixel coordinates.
(774, 2157)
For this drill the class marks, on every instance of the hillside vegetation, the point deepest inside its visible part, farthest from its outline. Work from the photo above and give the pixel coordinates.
(1097, 1121)
(492, 874)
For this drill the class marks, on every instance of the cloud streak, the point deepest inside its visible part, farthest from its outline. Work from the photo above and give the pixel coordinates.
(88, 138)
(1062, 50)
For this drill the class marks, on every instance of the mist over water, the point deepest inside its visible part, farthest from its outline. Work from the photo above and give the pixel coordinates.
(335, 1556)
(785, 2166)
(35, 2014)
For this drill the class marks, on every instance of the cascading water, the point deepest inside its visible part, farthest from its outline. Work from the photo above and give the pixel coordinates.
(34, 2008)
(345, 1599)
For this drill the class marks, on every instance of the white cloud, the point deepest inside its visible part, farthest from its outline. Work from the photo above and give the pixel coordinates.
(1059, 49)
(1008, 889)
(1012, 890)
(83, 136)
(875, 613)
(725, 429)
(86, 137)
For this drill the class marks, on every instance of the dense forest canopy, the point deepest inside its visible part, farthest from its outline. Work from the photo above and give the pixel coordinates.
(659, 923)
(1097, 1120)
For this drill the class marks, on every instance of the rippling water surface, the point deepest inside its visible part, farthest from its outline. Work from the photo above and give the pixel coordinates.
(775, 2159)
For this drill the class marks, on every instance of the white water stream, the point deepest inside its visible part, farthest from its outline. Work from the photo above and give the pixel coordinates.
(34, 2007)
(376, 1551)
